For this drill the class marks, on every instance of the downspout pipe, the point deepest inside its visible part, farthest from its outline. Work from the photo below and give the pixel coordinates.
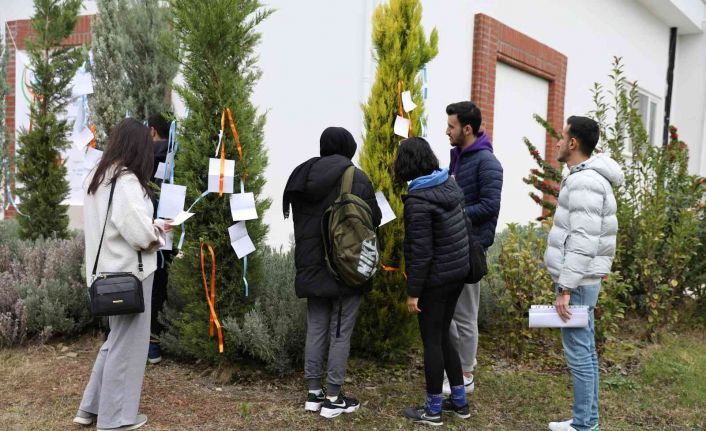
(670, 84)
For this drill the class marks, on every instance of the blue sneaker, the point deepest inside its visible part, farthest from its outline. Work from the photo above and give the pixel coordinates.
(154, 354)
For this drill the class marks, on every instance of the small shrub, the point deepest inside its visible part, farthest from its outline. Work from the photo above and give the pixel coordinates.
(42, 287)
(13, 313)
(274, 330)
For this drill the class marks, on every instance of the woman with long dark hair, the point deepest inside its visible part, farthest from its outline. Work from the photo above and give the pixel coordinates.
(436, 262)
(112, 396)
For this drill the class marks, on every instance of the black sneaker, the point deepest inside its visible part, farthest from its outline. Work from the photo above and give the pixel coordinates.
(419, 415)
(462, 412)
(313, 402)
(331, 409)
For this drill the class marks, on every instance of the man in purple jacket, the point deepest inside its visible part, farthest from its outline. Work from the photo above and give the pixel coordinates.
(480, 175)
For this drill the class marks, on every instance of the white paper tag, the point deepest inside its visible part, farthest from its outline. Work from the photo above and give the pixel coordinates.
(242, 206)
(387, 214)
(240, 240)
(214, 171)
(181, 218)
(168, 241)
(402, 127)
(171, 200)
(82, 138)
(91, 158)
(407, 102)
(161, 168)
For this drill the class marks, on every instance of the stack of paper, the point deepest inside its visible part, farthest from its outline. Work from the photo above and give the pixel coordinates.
(545, 316)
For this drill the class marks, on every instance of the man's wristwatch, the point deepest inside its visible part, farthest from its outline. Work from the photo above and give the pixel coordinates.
(565, 291)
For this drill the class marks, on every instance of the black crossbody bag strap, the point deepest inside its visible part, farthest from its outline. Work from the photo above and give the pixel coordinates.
(100, 244)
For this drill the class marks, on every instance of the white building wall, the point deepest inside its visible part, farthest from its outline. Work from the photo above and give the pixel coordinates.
(689, 98)
(317, 68)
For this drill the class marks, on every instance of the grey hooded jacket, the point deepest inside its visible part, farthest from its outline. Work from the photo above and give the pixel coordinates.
(581, 243)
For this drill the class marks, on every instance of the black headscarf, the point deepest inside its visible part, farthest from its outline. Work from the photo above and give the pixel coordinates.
(337, 140)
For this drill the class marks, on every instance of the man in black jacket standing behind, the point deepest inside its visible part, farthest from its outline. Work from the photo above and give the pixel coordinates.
(480, 175)
(312, 187)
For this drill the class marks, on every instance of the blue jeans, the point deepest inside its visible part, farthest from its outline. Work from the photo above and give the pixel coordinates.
(580, 351)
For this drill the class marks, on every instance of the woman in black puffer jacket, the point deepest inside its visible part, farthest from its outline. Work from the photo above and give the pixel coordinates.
(436, 256)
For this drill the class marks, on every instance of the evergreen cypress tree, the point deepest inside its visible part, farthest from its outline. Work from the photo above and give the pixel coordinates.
(149, 67)
(40, 167)
(109, 101)
(385, 328)
(217, 41)
(131, 67)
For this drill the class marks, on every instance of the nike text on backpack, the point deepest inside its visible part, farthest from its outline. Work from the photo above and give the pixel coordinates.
(348, 233)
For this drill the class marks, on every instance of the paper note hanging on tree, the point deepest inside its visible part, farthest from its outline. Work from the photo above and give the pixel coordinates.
(168, 241)
(407, 102)
(240, 240)
(161, 168)
(402, 127)
(81, 84)
(214, 174)
(387, 214)
(171, 200)
(242, 206)
(82, 138)
(91, 158)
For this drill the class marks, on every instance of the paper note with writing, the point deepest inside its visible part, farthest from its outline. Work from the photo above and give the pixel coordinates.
(402, 127)
(171, 200)
(181, 218)
(214, 172)
(168, 241)
(82, 138)
(161, 167)
(407, 102)
(387, 214)
(242, 206)
(240, 240)
(91, 158)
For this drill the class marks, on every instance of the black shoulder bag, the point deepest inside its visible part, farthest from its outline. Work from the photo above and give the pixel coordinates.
(115, 293)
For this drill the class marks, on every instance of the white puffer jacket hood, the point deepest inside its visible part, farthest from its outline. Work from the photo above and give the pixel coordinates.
(581, 243)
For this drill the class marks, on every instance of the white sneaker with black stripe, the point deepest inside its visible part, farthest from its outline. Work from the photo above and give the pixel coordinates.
(314, 401)
(468, 383)
(342, 404)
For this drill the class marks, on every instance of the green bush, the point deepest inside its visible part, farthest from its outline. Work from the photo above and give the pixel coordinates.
(42, 287)
(274, 330)
(659, 206)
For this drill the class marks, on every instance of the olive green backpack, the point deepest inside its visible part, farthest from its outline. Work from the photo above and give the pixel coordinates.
(350, 242)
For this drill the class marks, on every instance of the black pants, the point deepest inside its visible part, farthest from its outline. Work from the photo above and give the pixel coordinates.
(438, 305)
(159, 292)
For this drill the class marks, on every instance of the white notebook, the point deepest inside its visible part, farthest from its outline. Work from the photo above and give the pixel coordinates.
(545, 316)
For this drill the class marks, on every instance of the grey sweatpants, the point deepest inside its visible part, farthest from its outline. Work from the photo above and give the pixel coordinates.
(321, 324)
(113, 391)
(464, 326)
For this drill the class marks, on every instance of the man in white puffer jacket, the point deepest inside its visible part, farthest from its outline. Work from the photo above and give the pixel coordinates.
(580, 251)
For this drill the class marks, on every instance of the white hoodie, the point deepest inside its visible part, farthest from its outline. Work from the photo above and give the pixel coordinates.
(581, 243)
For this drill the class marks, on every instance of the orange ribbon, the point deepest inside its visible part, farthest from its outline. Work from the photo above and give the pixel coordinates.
(392, 269)
(92, 128)
(211, 297)
(400, 87)
(236, 138)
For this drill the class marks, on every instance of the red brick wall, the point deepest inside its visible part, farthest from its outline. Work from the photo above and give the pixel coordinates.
(16, 34)
(495, 42)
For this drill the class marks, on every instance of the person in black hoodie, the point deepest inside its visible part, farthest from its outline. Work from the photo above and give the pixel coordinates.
(436, 262)
(312, 187)
(159, 130)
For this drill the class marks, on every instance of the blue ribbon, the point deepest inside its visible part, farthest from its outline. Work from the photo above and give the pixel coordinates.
(245, 258)
(183, 225)
(172, 148)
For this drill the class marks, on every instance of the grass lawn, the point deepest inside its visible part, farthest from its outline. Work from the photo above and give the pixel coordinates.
(663, 389)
